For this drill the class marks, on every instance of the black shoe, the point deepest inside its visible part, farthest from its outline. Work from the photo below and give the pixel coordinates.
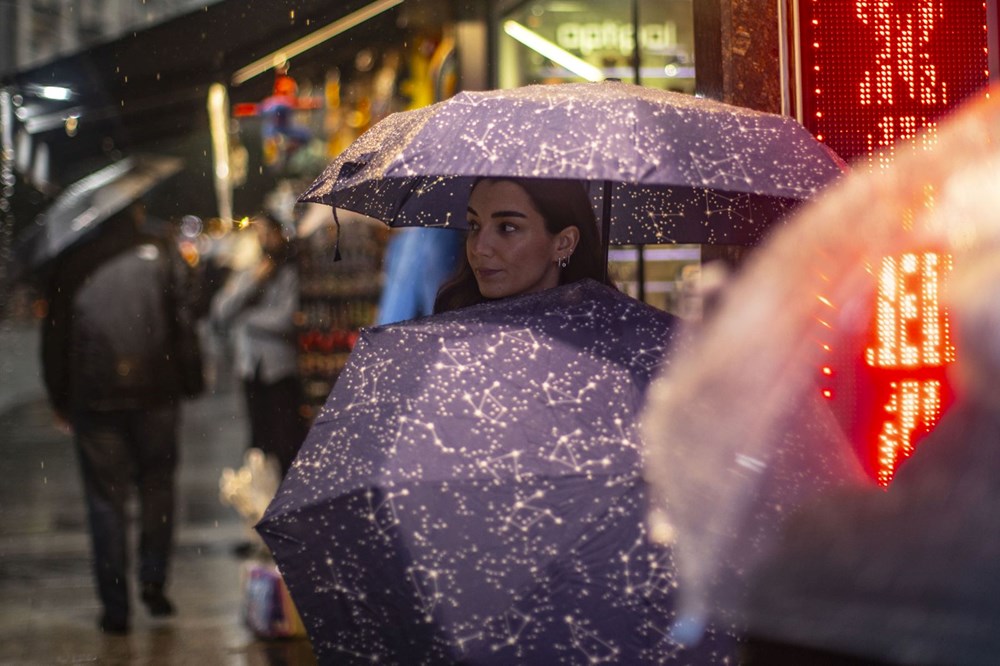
(113, 625)
(243, 550)
(157, 603)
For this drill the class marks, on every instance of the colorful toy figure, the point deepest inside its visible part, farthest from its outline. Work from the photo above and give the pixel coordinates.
(280, 134)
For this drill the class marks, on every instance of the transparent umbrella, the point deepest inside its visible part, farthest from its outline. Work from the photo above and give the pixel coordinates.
(719, 422)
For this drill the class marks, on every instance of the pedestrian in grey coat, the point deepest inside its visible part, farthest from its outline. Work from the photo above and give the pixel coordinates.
(256, 308)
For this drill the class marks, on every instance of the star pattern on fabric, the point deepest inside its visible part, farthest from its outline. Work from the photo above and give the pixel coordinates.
(417, 166)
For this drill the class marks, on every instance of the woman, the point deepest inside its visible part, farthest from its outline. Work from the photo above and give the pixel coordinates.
(525, 235)
(499, 439)
(257, 306)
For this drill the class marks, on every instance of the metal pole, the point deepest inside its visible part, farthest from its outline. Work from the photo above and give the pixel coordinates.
(640, 264)
(636, 52)
(606, 225)
(7, 177)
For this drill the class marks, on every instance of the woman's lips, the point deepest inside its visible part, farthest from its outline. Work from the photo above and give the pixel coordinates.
(487, 272)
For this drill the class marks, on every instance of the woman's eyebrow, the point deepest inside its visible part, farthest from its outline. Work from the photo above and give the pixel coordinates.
(500, 213)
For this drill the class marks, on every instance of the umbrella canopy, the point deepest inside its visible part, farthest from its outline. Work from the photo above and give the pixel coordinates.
(812, 282)
(471, 491)
(667, 167)
(80, 209)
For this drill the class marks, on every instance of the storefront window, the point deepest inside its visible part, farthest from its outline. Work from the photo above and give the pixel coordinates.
(558, 41)
(669, 276)
(553, 41)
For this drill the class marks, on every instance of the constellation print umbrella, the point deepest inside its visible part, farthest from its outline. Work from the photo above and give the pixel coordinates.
(666, 167)
(471, 491)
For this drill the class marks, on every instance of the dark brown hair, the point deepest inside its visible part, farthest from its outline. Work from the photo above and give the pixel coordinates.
(562, 203)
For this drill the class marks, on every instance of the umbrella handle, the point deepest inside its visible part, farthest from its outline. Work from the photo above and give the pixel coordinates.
(606, 225)
(336, 247)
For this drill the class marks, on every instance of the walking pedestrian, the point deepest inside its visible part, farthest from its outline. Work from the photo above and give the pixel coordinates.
(119, 351)
(257, 307)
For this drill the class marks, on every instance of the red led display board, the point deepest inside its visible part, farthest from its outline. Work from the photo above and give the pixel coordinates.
(877, 71)
(873, 73)
(910, 347)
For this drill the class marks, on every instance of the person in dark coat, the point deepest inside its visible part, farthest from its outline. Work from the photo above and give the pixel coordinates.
(119, 351)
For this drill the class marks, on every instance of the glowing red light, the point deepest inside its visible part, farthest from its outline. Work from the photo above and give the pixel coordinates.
(880, 72)
(912, 334)
(872, 63)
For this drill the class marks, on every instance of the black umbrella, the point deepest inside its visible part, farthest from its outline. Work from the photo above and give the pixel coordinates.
(471, 491)
(78, 211)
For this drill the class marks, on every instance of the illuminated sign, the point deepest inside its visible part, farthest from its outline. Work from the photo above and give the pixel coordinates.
(591, 37)
(912, 345)
(911, 330)
(873, 74)
(878, 71)
(548, 41)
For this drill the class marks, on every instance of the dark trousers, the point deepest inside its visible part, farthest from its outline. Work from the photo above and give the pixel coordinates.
(276, 423)
(759, 652)
(119, 451)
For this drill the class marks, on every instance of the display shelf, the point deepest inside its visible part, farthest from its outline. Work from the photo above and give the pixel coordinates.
(336, 300)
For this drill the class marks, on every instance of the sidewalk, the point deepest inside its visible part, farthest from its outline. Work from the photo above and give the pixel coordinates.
(48, 606)
(20, 371)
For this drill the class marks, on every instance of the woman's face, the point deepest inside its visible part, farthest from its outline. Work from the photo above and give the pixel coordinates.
(508, 247)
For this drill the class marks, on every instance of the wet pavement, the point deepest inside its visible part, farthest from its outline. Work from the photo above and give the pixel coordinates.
(48, 606)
